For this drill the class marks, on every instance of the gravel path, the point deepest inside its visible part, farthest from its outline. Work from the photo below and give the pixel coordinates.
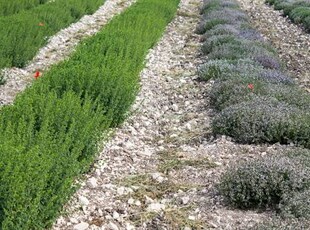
(58, 48)
(292, 43)
(159, 169)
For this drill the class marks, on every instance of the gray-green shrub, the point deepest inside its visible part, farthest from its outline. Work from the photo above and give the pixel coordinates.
(263, 182)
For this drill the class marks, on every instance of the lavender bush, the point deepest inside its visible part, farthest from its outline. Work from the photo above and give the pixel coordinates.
(264, 119)
(263, 182)
(296, 205)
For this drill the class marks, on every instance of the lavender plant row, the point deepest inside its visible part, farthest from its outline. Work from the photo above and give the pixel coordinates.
(256, 102)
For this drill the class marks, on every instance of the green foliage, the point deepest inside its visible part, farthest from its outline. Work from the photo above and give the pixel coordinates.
(297, 11)
(22, 34)
(264, 182)
(50, 135)
(13, 7)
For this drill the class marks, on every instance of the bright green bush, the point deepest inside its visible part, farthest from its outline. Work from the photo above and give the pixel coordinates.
(264, 182)
(21, 35)
(50, 135)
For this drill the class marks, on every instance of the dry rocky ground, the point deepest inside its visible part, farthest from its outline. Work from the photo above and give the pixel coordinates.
(160, 168)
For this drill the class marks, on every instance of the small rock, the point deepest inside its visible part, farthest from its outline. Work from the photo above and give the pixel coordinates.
(92, 182)
(175, 107)
(156, 207)
(158, 177)
(187, 228)
(191, 217)
(74, 221)
(188, 126)
(138, 203)
(185, 200)
(121, 191)
(115, 215)
(130, 201)
(218, 163)
(83, 201)
(148, 200)
(113, 226)
(130, 227)
(81, 226)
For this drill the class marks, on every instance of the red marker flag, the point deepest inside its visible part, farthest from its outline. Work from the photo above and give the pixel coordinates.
(37, 74)
(251, 86)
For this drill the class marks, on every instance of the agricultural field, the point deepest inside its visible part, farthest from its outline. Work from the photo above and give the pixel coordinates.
(153, 114)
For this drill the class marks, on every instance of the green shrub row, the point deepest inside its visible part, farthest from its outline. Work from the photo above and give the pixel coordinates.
(256, 99)
(13, 7)
(50, 135)
(256, 102)
(298, 11)
(24, 33)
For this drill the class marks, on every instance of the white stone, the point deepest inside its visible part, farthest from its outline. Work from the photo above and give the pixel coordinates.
(131, 201)
(185, 200)
(121, 191)
(158, 177)
(113, 226)
(138, 203)
(148, 199)
(92, 182)
(175, 107)
(188, 126)
(130, 227)
(83, 201)
(187, 228)
(192, 218)
(81, 226)
(156, 207)
(115, 215)
(74, 221)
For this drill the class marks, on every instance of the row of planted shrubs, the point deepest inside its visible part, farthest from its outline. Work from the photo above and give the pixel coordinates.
(50, 135)
(297, 10)
(255, 98)
(24, 33)
(13, 7)
(256, 102)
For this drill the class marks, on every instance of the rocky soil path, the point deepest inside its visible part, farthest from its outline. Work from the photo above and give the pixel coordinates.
(159, 169)
(58, 48)
(291, 41)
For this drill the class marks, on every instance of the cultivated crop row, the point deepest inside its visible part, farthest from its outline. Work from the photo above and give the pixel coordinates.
(297, 10)
(24, 33)
(50, 135)
(256, 102)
